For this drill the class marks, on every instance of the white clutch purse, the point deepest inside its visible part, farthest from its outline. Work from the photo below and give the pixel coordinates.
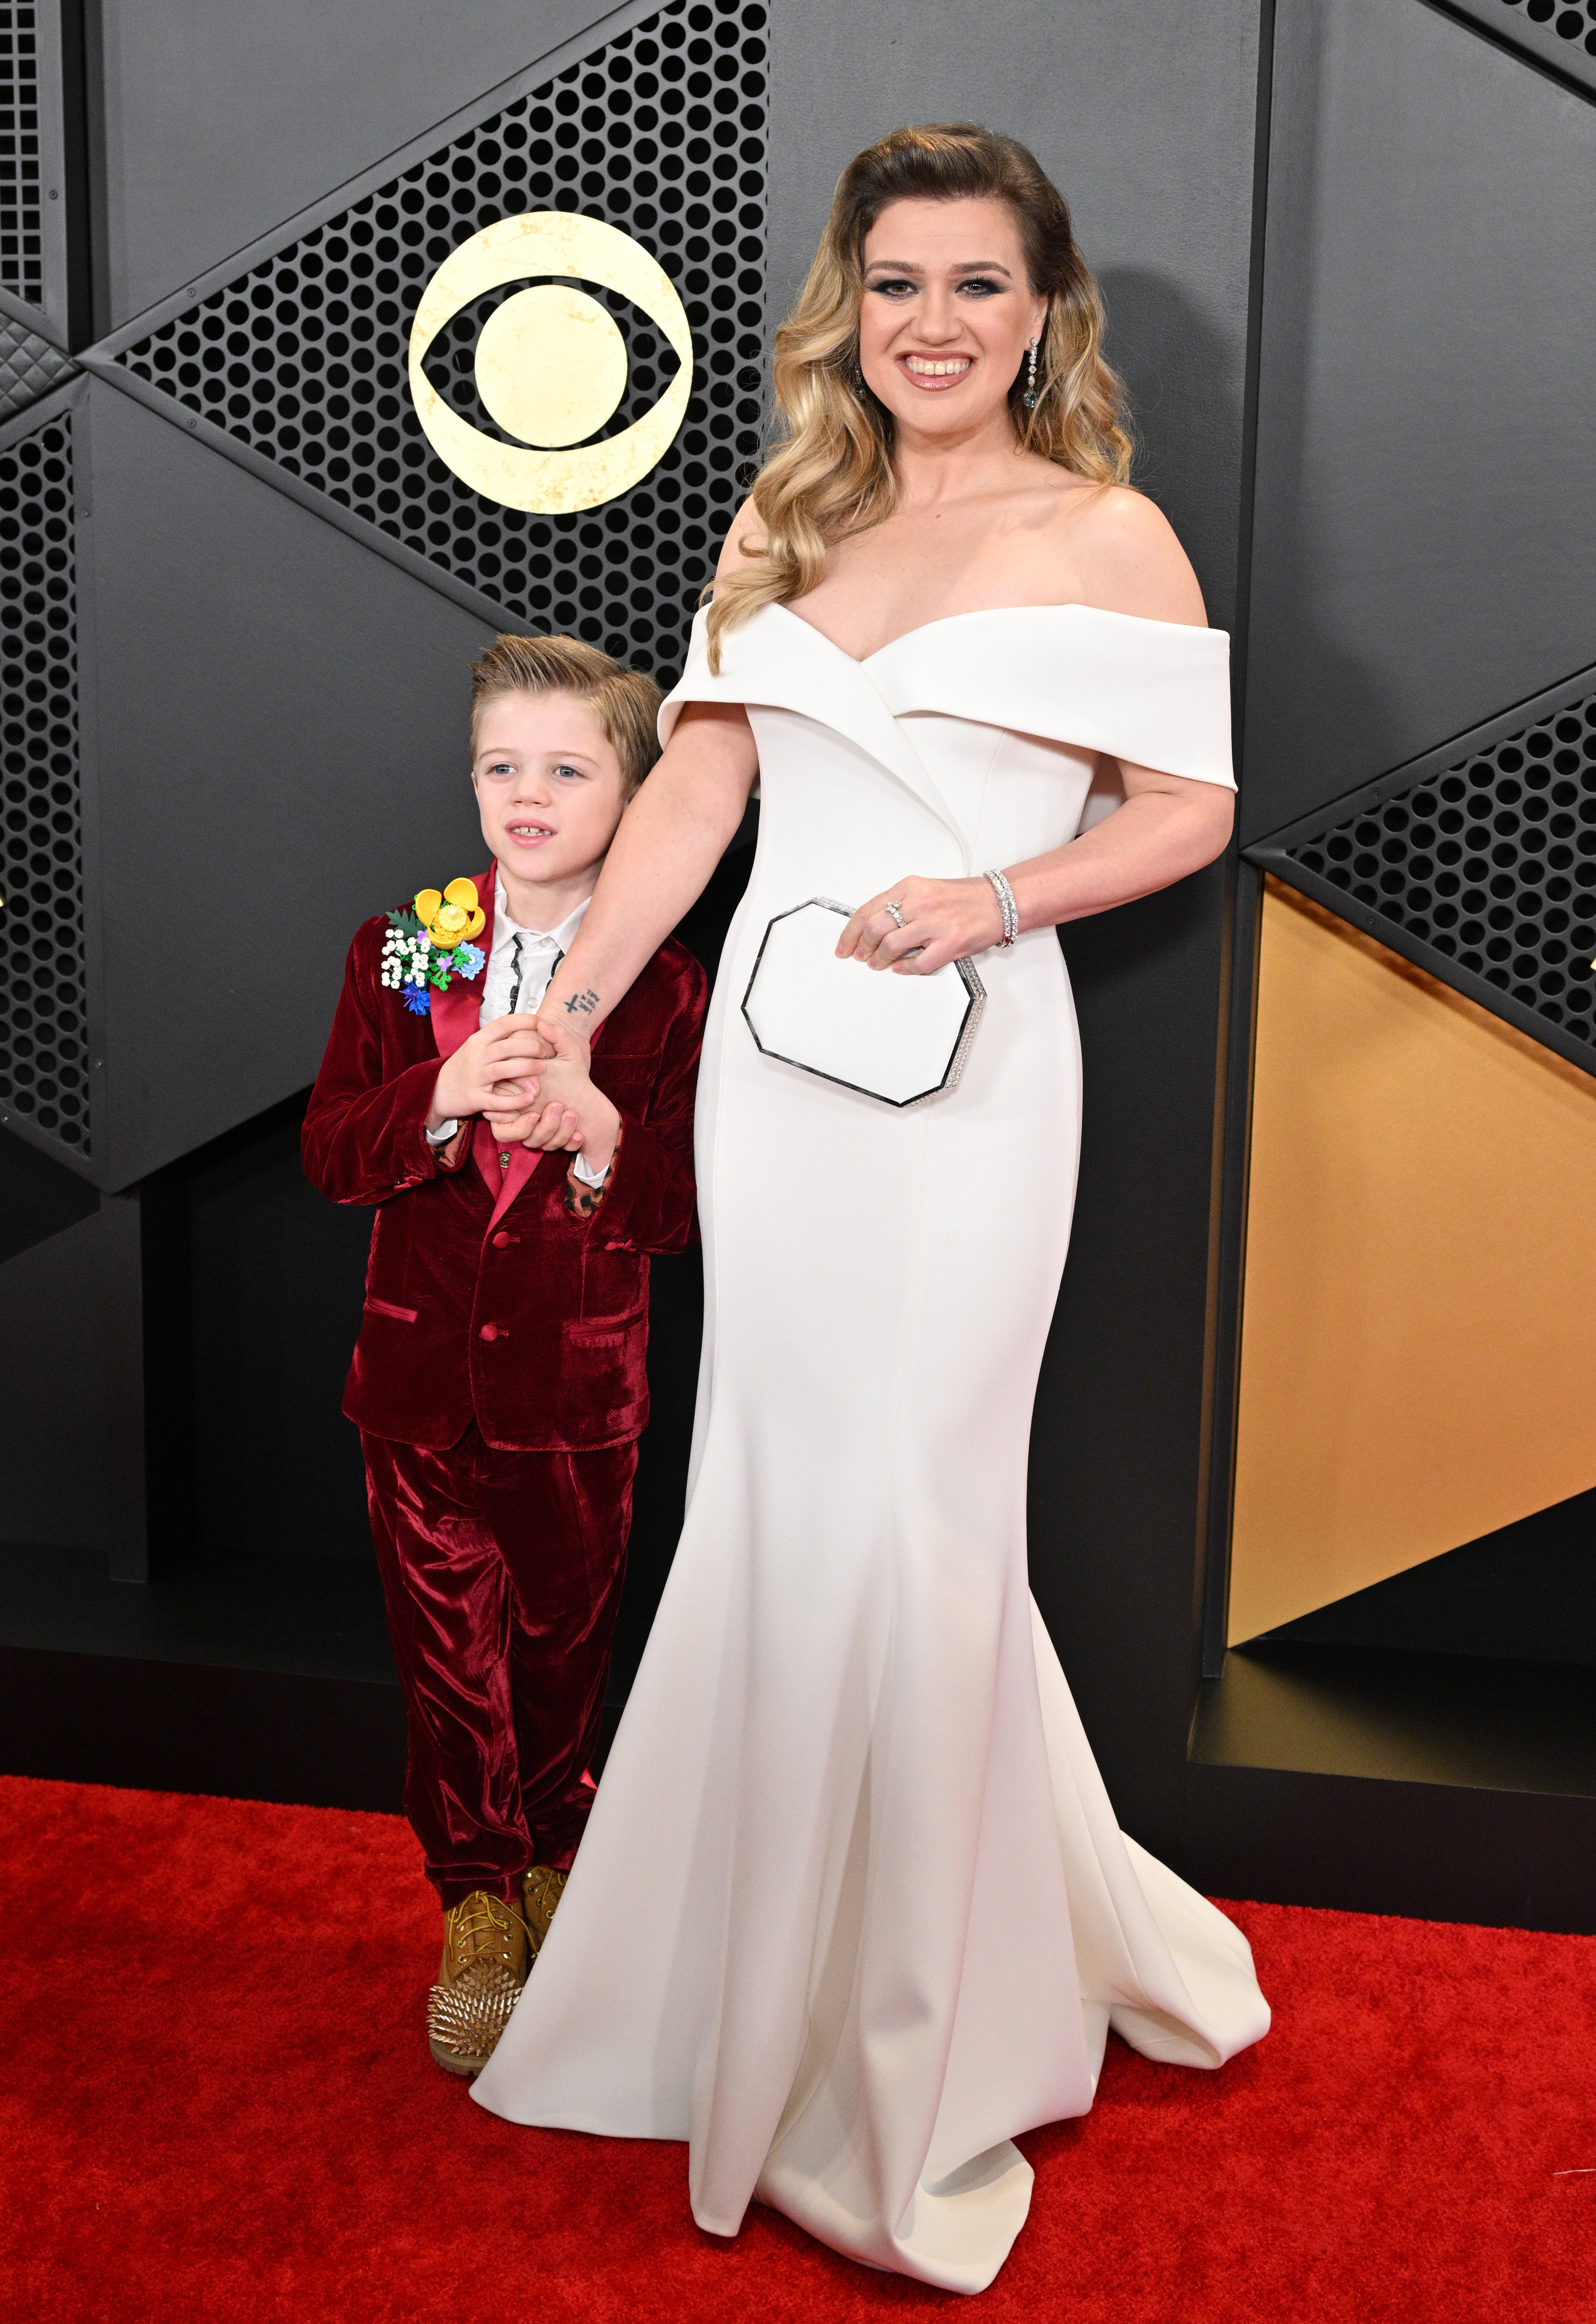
(901, 1039)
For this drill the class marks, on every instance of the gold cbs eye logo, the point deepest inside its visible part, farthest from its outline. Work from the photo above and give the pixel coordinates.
(551, 366)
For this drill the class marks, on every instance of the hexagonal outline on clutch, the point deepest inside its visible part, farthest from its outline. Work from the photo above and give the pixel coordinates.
(976, 1003)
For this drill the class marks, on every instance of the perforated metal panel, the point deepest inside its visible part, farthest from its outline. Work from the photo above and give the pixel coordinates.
(43, 1031)
(1479, 864)
(662, 133)
(22, 245)
(1561, 33)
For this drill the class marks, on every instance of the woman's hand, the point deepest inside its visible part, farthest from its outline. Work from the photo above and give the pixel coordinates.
(942, 920)
(562, 1107)
(489, 1073)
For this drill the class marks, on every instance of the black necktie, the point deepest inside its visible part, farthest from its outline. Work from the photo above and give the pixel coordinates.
(515, 977)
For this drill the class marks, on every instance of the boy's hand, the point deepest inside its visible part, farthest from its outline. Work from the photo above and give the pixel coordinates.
(489, 1073)
(562, 1107)
(540, 1127)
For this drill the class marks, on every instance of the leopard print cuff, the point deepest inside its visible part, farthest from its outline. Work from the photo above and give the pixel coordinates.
(583, 1201)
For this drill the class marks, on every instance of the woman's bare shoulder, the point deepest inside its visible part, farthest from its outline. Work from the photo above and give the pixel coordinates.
(1126, 559)
(744, 542)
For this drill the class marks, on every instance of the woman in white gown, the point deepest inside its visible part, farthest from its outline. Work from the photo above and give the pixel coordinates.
(853, 1909)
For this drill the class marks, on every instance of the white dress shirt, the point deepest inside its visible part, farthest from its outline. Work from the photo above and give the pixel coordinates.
(521, 969)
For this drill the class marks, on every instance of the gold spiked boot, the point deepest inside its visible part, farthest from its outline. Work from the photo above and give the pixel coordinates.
(541, 1891)
(486, 1958)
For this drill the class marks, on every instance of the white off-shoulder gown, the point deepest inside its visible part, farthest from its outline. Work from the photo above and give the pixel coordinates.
(853, 1908)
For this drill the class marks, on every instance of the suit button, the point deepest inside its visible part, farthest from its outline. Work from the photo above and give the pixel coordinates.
(502, 1241)
(489, 1332)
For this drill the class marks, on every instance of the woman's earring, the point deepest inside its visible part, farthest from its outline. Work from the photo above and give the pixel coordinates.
(1031, 376)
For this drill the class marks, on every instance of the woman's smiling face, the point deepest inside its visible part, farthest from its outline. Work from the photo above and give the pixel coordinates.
(947, 313)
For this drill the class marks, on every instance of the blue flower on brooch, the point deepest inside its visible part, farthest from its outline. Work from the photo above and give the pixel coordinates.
(469, 958)
(418, 999)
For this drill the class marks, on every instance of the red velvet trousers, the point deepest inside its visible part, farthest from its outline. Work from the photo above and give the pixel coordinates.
(502, 1572)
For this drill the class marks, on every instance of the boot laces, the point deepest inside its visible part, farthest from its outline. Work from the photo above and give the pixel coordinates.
(483, 1930)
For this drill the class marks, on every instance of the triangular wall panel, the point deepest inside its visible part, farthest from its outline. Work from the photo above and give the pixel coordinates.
(224, 120)
(300, 359)
(1424, 552)
(245, 824)
(1477, 863)
(1418, 1334)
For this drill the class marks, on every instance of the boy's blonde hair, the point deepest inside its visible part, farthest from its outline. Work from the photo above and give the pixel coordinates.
(625, 702)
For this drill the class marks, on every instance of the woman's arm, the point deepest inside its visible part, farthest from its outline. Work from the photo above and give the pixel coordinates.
(670, 838)
(1168, 825)
(1118, 553)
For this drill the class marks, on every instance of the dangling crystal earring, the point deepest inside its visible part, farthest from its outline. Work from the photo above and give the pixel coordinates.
(1031, 376)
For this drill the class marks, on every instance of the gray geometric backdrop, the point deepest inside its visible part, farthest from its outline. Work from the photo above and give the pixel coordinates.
(150, 998)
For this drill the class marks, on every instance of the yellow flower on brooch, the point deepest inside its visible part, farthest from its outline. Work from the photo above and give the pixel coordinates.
(452, 918)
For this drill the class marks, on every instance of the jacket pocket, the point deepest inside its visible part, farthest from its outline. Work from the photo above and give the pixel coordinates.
(605, 1331)
(387, 1307)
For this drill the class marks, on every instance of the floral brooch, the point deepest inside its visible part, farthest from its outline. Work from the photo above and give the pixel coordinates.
(426, 946)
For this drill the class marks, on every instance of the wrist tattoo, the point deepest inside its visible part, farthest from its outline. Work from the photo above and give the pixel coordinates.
(582, 1004)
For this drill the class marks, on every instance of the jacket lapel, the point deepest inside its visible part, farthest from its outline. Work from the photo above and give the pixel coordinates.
(455, 1015)
(509, 1182)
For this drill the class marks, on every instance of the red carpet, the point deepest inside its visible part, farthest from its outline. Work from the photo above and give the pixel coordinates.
(218, 2103)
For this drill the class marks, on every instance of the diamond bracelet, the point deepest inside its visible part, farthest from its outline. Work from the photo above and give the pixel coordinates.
(1011, 911)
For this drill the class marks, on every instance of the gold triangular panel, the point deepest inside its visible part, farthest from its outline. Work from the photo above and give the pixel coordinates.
(1418, 1348)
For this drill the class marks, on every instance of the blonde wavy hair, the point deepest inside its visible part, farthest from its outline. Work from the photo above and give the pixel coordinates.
(831, 473)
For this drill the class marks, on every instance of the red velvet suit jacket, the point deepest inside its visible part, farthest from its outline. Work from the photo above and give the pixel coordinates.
(484, 1296)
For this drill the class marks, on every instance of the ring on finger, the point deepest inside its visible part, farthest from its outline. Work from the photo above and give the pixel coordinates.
(896, 911)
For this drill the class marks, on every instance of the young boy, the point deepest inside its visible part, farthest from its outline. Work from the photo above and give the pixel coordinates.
(499, 1381)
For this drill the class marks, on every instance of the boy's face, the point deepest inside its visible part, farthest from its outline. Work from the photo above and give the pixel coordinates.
(547, 781)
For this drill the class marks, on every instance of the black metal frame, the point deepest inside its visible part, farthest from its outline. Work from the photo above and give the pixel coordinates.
(1232, 1109)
